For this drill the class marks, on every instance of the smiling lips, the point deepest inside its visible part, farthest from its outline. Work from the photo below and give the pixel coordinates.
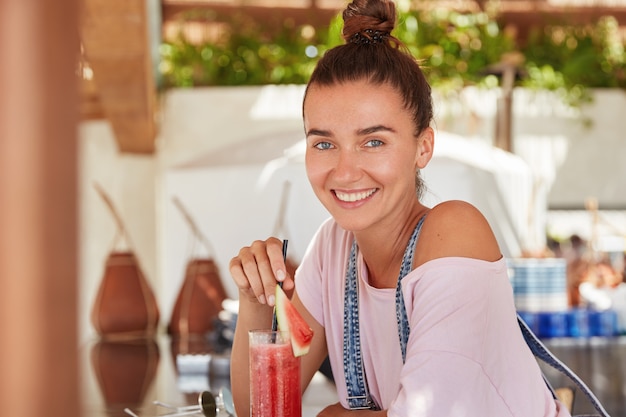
(354, 196)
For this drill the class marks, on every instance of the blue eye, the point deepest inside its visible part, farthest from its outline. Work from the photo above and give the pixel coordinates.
(374, 143)
(322, 145)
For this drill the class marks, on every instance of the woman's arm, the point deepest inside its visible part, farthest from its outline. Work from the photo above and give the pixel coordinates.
(256, 270)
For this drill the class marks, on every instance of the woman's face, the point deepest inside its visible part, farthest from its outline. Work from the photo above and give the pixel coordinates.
(362, 152)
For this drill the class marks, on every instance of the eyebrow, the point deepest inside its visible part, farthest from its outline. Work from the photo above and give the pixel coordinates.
(318, 132)
(374, 129)
(360, 132)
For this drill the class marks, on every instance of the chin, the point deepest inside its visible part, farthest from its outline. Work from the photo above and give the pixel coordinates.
(350, 223)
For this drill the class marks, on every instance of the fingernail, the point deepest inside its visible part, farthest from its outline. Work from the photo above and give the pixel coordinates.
(262, 299)
(280, 275)
(270, 300)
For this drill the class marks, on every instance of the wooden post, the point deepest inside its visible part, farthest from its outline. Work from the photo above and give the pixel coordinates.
(508, 70)
(504, 114)
(38, 209)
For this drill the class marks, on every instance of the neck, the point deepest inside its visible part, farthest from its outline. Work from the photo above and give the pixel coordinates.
(383, 250)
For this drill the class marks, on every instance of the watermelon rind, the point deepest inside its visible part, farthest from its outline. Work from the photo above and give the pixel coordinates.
(290, 320)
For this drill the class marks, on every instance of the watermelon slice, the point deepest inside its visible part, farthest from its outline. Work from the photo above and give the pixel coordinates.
(290, 320)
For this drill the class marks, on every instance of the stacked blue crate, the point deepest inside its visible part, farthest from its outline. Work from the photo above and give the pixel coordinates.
(539, 284)
(540, 294)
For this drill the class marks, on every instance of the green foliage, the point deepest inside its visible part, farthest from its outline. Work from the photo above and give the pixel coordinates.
(569, 58)
(454, 48)
(246, 53)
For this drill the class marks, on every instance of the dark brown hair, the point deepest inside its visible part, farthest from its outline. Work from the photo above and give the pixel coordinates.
(371, 53)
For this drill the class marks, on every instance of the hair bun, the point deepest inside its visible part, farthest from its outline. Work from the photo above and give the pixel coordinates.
(368, 21)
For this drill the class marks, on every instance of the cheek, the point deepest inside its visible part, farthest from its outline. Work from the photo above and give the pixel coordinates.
(397, 174)
(314, 171)
(391, 168)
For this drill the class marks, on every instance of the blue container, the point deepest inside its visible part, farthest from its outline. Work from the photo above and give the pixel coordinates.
(553, 324)
(603, 323)
(578, 323)
(539, 284)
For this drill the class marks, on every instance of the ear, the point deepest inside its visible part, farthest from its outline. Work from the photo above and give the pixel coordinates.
(425, 147)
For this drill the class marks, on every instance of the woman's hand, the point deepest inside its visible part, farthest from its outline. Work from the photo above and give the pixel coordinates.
(257, 268)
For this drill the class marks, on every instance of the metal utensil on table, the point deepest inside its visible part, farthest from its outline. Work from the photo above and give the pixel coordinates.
(209, 405)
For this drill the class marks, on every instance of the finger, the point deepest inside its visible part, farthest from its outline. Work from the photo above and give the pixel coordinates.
(277, 259)
(289, 283)
(240, 279)
(253, 272)
(269, 262)
(244, 271)
(236, 272)
(279, 265)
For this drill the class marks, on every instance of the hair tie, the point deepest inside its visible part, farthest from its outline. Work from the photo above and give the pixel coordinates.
(369, 36)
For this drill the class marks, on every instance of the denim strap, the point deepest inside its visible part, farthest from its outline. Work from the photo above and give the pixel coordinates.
(356, 383)
(540, 351)
(358, 394)
(404, 329)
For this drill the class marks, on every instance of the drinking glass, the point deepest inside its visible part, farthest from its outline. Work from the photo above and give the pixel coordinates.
(274, 375)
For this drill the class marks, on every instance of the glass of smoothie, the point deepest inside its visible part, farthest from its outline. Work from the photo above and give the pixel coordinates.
(274, 375)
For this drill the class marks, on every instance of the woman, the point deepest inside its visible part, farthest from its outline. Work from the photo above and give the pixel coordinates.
(423, 292)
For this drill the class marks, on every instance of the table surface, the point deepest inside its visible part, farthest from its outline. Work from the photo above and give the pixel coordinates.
(134, 374)
(120, 374)
(600, 363)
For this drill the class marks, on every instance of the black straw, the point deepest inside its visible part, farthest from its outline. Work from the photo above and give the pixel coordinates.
(280, 284)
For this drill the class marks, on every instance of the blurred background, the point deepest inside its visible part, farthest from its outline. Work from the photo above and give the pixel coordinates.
(171, 131)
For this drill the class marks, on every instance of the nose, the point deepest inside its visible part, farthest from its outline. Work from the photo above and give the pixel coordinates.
(348, 166)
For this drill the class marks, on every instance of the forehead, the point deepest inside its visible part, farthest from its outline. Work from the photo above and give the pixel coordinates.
(363, 99)
(352, 90)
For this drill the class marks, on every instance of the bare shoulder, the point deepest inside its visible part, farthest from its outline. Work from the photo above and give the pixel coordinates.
(456, 228)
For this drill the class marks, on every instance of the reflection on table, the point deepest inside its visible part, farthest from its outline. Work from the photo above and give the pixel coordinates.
(136, 373)
(600, 362)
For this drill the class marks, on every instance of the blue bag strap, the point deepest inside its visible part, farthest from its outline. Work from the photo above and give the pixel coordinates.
(541, 352)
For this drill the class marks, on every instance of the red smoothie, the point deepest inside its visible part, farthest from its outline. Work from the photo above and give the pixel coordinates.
(274, 377)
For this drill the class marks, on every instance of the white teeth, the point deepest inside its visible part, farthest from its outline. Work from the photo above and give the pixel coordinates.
(352, 197)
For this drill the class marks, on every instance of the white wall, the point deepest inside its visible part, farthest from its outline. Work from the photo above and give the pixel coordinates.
(575, 153)
(204, 126)
(130, 181)
(194, 123)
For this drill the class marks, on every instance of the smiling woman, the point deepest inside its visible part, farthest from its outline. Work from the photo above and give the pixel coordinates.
(361, 149)
(412, 304)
